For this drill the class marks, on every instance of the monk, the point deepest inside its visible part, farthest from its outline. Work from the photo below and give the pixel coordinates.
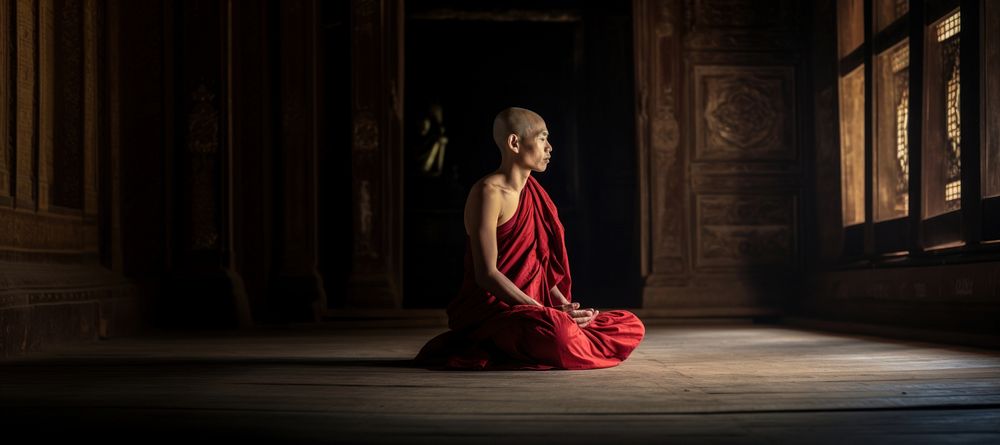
(515, 309)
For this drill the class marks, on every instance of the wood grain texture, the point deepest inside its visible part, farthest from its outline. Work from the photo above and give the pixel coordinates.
(722, 383)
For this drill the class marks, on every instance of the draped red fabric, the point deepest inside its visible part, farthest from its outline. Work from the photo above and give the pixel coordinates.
(487, 333)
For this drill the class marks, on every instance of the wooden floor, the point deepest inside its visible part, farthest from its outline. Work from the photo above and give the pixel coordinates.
(719, 383)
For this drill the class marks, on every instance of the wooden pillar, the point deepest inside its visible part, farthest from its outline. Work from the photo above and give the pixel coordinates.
(206, 289)
(8, 39)
(27, 103)
(297, 290)
(376, 149)
(92, 122)
(46, 100)
(657, 25)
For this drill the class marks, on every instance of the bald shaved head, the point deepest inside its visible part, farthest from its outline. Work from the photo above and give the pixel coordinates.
(514, 120)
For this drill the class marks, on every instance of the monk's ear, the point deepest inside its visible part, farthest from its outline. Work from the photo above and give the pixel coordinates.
(513, 142)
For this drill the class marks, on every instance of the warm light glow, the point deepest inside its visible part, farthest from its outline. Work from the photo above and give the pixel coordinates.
(942, 145)
(950, 27)
(852, 146)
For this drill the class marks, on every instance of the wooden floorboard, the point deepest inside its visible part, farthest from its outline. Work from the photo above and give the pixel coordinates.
(711, 383)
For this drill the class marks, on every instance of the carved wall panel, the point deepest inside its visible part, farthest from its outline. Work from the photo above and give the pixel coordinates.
(723, 195)
(201, 159)
(27, 102)
(8, 37)
(745, 230)
(201, 103)
(46, 93)
(661, 175)
(66, 183)
(727, 25)
(93, 128)
(744, 113)
(738, 13)
(376, 122)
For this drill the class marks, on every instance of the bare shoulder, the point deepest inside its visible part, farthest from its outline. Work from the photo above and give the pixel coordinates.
(488, 191)
(487, 202)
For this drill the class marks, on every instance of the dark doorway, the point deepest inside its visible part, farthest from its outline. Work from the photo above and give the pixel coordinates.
(571, 65)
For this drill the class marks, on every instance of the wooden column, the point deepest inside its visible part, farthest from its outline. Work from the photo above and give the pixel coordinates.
(662, 191)
(46, 100)
(92, 122)
(27, 102)
(376, 115)
(8, 39)
(206, 289)
(297, 289)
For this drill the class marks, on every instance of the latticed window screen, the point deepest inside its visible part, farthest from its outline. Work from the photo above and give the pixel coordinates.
(892, 115)
(948, 36)
(942, 144)
(901, 88)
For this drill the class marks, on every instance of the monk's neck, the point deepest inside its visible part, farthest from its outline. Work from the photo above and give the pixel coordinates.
(515, 176)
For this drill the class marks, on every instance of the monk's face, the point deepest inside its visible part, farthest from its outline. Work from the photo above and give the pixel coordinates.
(535, 150)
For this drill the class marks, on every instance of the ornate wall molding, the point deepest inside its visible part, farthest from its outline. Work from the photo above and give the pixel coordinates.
(8, 109)
(365, 132)
(68, 158)
(719, 200)
(201, 159)
(93, 128)
(745, 230)
(42, 232)
(741, 40)
(27, 102)
(744, 113)
(46, 93)
(661, 161)
(376, 116)
(716, 14)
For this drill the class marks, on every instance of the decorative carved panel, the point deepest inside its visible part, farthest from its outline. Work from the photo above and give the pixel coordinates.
(742, 40)
(744, 113)
(93, 42)
(738, 13)
(38, 232)
(727, 25)
(365, 132)
(661, 171)
(7, 106)
(745, 230)
(202, 152)
(376, 122)
(66, 183)
(27, 101)
(46, 123)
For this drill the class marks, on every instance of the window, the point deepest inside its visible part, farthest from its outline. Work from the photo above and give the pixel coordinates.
(852, 145)
(892, 117)
(852, 111)
(990, 143)
(942, 117)
(904, 186)
(887, 11)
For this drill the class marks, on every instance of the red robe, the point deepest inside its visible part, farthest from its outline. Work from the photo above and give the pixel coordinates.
(487, 333)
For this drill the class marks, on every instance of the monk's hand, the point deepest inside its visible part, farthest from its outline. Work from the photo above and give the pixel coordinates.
(582, 317)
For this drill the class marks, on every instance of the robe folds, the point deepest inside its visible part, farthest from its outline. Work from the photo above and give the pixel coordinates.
(487, 333)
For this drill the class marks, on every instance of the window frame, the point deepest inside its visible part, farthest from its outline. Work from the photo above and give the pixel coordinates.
(912, 238)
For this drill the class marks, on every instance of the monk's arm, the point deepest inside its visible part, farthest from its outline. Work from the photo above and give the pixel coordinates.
(560, 298)
(481, 216)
